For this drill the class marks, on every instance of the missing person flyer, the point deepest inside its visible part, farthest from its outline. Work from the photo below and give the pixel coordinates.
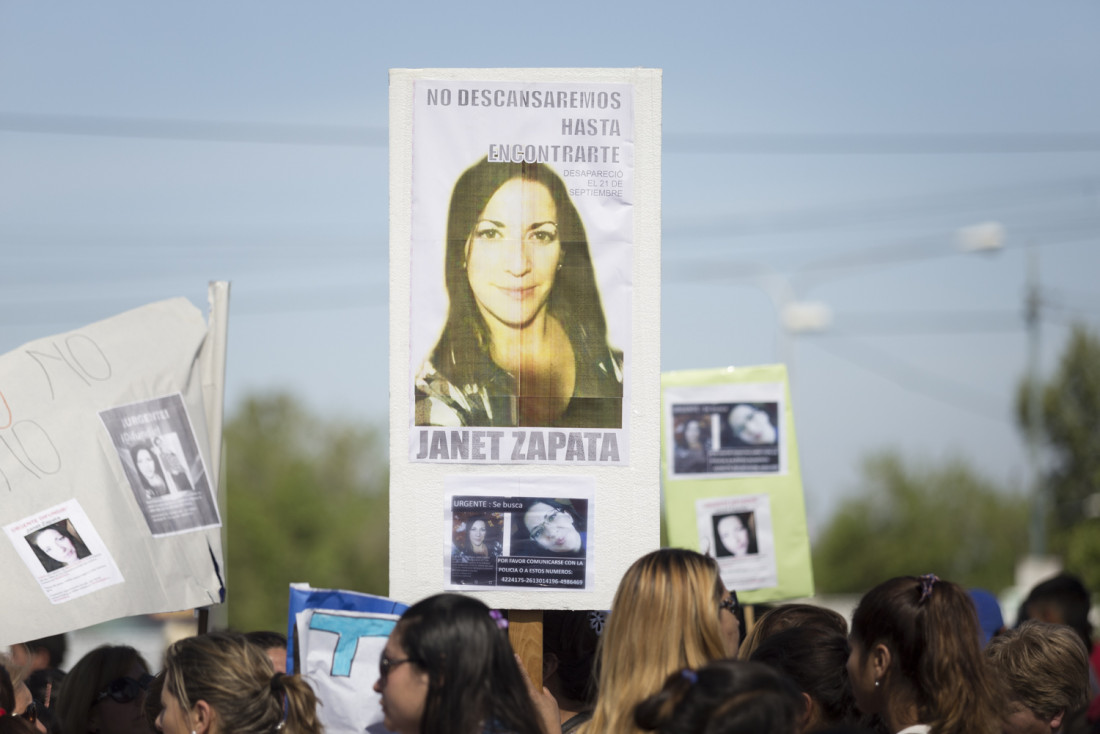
(725, 430)
(160, 457)
(518, 532)
(64, 552)
(522, 242)
(737, 532)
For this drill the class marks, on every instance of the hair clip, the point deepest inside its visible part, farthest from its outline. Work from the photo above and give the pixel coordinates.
(690, 676)
(502, 623)
(596, 620)
(926, 583)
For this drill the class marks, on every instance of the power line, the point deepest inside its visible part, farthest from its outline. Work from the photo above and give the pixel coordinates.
(918, 381)
(846, 214)
(150, 128)
(674, 142)
(881, 143)
(901, 323)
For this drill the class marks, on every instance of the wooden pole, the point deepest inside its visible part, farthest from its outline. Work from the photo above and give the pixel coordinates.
(525, 634)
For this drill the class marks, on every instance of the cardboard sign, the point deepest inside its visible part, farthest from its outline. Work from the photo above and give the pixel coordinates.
(338, 637)
(88, 539)
(733, 487)
(524, 290)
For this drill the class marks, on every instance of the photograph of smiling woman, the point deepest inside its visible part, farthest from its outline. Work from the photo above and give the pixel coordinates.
(516, 311)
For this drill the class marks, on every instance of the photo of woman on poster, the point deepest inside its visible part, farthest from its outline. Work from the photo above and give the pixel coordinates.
(473, 539)
(736, 535)
(525, 340)
(692, 442)
(549, 528)
(57, 546)
(751, 425)
(150, 473)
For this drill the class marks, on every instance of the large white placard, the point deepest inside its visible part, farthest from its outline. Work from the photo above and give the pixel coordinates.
(83, 543)
(525, 290)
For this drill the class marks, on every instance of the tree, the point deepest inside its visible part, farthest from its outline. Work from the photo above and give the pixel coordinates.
(908, 520)
(1069, 427)
(307, 501)
(1069, 432)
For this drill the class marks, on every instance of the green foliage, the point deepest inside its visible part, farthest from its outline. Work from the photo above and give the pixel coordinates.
(1082, 552)
(909, 520)
(307, 501)
(1070, 430)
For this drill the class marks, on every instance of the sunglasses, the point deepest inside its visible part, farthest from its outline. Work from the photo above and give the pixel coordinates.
(31, 712)
(385, 665)
(730, 604)
(125, 690)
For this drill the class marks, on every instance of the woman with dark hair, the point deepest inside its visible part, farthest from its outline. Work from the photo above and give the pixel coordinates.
(786, 616)
(916, 659)
(525, 341)
(814, 658)
(150, 473)
(736, 534)
(220, 683)
(549, 528)
(477, 543)
(105, 693)
(724, 697)
(448, 668)
(56, 546)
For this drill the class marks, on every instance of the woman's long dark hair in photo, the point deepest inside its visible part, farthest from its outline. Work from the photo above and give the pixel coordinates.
(474, 681)
(65, 529)
(462, 353)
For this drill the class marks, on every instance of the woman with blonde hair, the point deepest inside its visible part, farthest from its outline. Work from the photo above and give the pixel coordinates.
(671, 611)
(916, 659)
(220, 683)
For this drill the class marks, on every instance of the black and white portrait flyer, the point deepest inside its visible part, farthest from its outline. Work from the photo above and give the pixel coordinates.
(737, 532)
(521, 247)
(162, 462)
(726, 430)
(64, 552)
(518, 532)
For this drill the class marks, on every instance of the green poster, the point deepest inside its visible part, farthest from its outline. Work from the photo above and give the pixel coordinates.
(731, 478)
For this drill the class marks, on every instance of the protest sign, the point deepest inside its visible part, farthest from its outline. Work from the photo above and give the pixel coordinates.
(733, 487)
(520, 532)
(525, 223)
(107, 469)
(338, 637)
(521, 247)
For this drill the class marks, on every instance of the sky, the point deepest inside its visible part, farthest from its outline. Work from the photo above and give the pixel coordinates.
(812, 152)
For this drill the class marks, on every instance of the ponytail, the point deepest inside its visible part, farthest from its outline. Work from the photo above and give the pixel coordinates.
(299, 705)
(236, 679)
(931, 629)
(655, 712)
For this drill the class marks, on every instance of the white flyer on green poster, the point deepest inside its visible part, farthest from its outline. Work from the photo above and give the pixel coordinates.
(733, 485)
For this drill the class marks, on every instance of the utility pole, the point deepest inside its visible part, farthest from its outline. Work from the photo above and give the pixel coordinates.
(1038, 534)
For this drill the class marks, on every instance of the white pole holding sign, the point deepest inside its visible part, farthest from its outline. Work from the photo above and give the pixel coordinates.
(524, 337)
(106, 469)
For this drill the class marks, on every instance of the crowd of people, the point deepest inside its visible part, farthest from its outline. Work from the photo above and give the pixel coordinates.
(921, 655)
